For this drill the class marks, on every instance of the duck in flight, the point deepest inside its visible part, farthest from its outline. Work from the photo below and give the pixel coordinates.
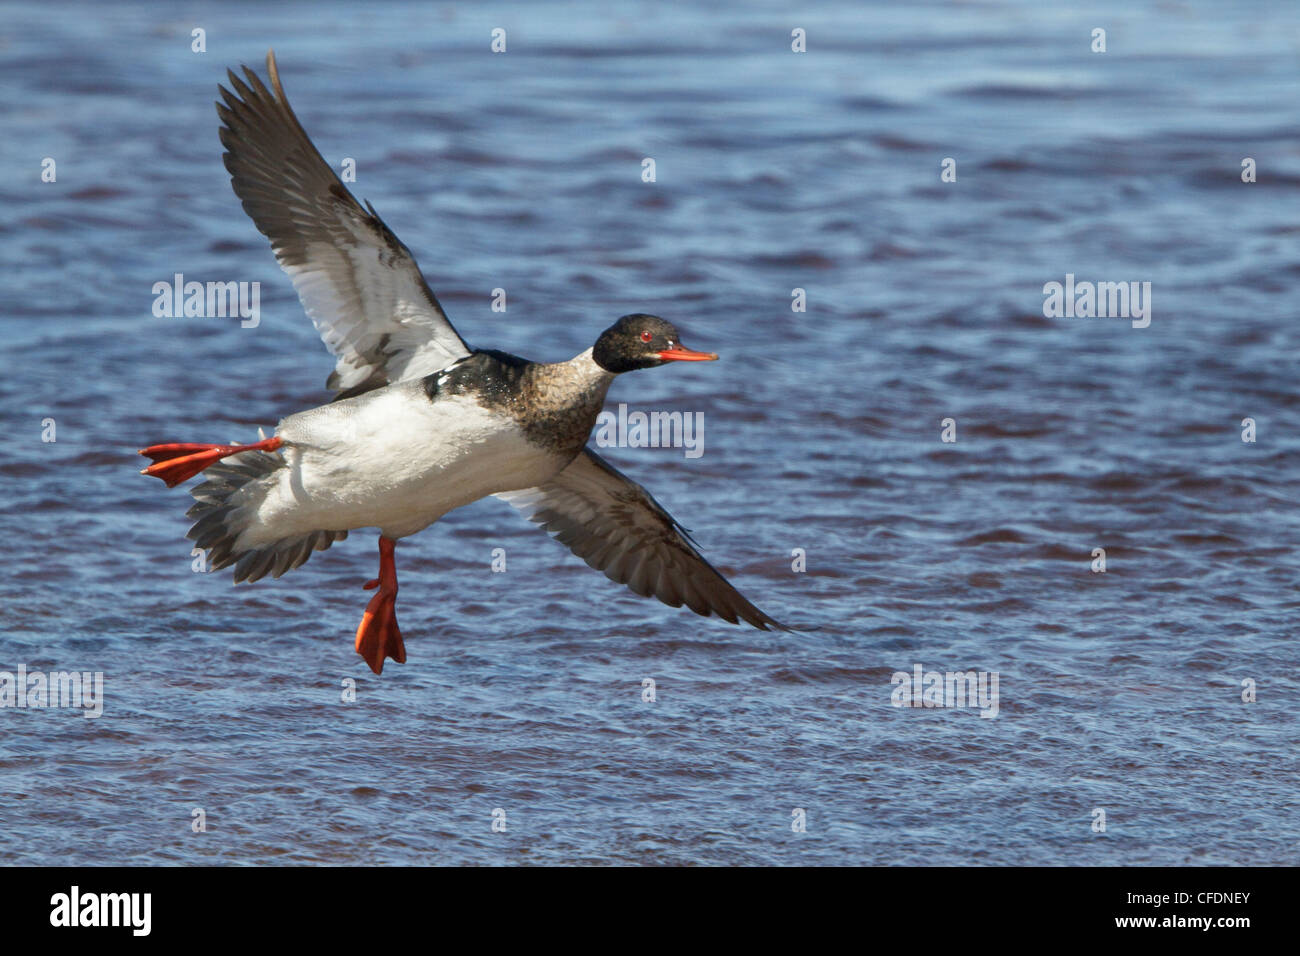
(420, 423)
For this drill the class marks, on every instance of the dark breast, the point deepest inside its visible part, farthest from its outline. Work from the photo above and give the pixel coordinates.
(554, 409)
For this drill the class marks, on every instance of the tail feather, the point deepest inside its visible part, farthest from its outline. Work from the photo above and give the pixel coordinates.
(226, 504)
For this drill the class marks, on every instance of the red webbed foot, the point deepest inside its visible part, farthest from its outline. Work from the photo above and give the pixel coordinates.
(178, 461)
(378, 636)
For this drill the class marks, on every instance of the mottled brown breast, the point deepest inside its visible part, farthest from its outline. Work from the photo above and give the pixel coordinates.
(555, 405)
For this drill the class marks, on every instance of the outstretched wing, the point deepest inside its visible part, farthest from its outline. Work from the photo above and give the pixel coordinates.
(614, 525)
(357, 281)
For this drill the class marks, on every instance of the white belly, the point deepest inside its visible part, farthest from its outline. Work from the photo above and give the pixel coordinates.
(392, 459)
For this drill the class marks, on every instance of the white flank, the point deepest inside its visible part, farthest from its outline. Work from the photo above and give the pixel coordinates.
(390, 459)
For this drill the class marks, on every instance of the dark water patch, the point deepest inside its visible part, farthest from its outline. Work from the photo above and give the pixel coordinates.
(996, 536)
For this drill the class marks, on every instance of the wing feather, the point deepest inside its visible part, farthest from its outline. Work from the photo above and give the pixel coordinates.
(614, 525)
(359, 284)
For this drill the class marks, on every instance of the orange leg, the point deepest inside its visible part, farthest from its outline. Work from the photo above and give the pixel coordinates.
(178, 461)
(378, 636)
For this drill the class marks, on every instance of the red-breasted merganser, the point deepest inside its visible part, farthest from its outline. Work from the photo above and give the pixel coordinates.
(421, 423)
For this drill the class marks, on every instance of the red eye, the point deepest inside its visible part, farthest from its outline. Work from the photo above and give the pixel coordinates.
(646, 336)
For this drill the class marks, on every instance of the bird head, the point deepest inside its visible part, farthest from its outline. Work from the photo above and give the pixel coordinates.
(642, 341)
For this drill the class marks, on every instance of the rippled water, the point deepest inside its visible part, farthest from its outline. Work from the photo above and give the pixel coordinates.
(775, 171)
